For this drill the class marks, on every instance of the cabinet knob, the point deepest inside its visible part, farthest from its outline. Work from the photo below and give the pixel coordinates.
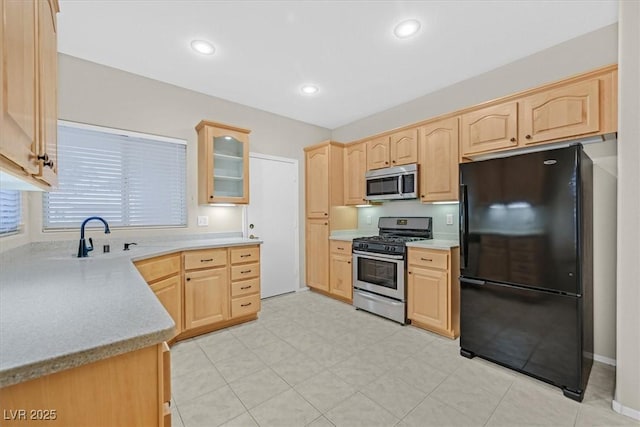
(410, 272)
(326, 223)
(45, 161)
(211, 197)
(348, 262)
(386, 163)
(393, 161)
(528, 136)
(512, 140)
(188, 279)
(422, 196)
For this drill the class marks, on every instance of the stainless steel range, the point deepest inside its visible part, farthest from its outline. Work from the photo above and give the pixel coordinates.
(380, 269)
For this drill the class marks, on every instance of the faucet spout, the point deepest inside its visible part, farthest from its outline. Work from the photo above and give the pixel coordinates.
(83, 248)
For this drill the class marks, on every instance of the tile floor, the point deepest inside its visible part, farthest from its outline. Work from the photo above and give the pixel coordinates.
(312, 361)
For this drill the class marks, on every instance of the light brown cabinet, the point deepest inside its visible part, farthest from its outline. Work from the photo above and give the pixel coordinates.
(399, 148)
(355, 167)
(133, 388)
(438, 161)
(489, 129)
(433, 298)
(583, 106)
(223, 163)
(325, 209)
(340, 270)
(317, 254)
(245, 281)
(561, 112)
(206, 298)
(163, 276)
(28, 94)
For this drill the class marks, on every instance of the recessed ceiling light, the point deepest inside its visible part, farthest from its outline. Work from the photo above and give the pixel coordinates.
(406, 28)
(203, 47)
(309, 89)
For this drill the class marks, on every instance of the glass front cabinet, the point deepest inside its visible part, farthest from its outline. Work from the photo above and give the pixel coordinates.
(223, 163)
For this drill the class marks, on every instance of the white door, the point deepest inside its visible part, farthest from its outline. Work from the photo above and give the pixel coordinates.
(272, 216)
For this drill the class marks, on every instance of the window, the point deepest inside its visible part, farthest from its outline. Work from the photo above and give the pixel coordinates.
(129, 179)
(9, 211)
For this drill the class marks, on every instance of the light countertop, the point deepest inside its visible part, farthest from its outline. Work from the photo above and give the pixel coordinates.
(434, 244)
(58, 311)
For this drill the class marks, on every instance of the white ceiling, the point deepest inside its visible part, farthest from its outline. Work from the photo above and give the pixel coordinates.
(267, 49)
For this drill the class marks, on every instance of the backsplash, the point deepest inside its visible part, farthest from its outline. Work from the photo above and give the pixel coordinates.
(368, 217)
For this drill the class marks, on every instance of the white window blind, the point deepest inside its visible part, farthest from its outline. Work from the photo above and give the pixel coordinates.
(130, 180)
(9, 211)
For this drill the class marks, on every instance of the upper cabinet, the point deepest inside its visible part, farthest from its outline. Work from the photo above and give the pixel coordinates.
(28, 98)
(400, 148)
(580, 107)
(562, 112)
(489, 129)
(438, 161)
(355, 167)
(223, 163)
(324, 168)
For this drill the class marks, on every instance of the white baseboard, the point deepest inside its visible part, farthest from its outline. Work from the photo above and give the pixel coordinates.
(624, 410)
(604, 359)
(306, 288)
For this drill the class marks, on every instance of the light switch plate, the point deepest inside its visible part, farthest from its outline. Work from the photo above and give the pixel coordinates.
(449, 219)
(368, 219)
(203, 221)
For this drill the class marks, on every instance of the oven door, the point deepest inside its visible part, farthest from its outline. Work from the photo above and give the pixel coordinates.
(380, 274)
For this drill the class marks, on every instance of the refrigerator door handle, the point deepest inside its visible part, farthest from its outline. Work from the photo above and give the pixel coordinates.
(473, 281)
(464, 226)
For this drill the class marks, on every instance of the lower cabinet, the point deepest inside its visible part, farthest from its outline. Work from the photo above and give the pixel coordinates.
(205, 297)
(206, 289)
(433, 300)
(340, 270)
(317, 254)
(131, 389)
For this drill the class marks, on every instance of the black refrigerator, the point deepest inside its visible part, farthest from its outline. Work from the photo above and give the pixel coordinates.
(526, 257)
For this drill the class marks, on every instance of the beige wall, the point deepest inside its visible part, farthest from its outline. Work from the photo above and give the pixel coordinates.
(627, 397)
(100, 95)
(575, 56)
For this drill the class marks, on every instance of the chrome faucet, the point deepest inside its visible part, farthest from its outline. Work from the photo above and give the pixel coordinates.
(83, 249)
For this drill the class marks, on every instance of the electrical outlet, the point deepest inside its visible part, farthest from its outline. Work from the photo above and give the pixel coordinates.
(203, 221)
(449, 219)
(368, 219)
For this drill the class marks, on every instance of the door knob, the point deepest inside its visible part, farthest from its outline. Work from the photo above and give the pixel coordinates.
(251, 226)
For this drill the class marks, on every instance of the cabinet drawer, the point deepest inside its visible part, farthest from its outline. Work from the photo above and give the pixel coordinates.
(158, 267)
(340, 247)
(429, 258)
(245, 287)
(205, 258)
(245, 254)
(245, 305)
(245, 271)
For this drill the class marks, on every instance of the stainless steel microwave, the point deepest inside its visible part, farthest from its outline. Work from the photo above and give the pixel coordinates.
(395, 183)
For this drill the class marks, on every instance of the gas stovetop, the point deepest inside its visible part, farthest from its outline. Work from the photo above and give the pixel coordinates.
(390, 239)
(394, 234)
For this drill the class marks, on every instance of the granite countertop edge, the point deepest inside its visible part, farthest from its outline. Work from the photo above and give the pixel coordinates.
(161, 327)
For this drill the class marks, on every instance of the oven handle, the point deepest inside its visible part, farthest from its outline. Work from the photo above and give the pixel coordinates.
(377, 256)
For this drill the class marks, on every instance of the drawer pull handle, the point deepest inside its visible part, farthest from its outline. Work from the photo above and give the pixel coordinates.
(341, 249)
(245, 271)
(426, 259)
(245, 305)
(206, 260)
(245, 287)
(244, 256)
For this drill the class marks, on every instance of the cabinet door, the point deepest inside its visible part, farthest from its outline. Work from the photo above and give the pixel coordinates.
(428, 297)
(341, 276)
(169, 293)
(439, 161)
(317, 182)
(560, 113)
(48, 74)
(18, 123)
(355, 166)
(378, 153)
(403, 147)
(317, 254)
(206, 297)
(223, 163)
(489, 129)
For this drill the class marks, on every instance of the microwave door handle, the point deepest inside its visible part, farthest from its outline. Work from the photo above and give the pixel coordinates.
(400, 179)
